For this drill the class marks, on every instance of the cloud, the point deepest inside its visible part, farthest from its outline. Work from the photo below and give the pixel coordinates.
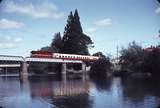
(9, 24)
(7, 45)
(157, 11)
(9, 42)
(43, 10)
(100, 23)
(18, 39)
(104, 22)
(91, 29)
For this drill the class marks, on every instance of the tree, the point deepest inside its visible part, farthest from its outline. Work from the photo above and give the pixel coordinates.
(46, 48)
(56, 43)
(100, 54)
(74, 40)
(132, 58)
(152, 63)
(100, 67)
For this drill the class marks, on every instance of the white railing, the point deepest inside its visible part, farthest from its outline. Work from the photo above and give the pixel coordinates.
(11, 58)
(9, 65)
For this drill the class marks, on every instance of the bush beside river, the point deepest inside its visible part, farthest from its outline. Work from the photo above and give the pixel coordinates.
(136, 61)
(102, 67)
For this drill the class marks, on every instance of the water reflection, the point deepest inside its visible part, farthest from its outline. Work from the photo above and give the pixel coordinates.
(103, 84)
(68, 94)
(141, 92)
(49, 93)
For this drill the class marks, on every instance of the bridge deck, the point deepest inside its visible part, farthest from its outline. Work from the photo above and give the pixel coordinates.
(31, 59)
(9, 65)
(52, 60)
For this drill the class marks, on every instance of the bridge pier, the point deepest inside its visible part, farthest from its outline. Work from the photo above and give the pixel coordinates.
(84, 71)
(64, 71)
(83, 67)
(5, 70)
(24, 70)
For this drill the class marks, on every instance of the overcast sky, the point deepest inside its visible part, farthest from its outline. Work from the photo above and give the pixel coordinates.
(27, 25)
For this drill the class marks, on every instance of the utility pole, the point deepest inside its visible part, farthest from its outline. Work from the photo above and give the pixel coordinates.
(117, 52)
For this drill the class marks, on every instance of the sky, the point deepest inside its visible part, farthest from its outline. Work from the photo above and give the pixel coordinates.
(27, 25)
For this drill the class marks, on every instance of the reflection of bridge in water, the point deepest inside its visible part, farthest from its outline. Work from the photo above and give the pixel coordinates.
(58, 89)
(42, 90)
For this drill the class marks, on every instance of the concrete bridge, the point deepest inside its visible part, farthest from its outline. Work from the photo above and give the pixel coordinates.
(19, 61)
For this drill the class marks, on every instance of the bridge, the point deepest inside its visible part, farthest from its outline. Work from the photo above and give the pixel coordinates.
(23, 62)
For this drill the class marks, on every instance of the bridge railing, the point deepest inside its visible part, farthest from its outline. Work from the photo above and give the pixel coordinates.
(11, 58)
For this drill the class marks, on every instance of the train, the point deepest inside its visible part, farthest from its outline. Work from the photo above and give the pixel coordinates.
(47, 54)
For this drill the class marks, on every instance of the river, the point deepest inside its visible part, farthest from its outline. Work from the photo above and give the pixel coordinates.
(45, 92)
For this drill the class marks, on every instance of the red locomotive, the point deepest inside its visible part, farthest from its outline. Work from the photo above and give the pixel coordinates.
(41, 54)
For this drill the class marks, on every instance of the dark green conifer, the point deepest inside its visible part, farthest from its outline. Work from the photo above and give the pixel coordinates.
(74, 40)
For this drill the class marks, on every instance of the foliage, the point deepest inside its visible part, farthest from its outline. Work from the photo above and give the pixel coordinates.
(47, 48)
(100, 54)
(132, 58)
(135, 59)
(101, 66)
(152, 63)
(56, 42)
(74, 40)
(55, 45)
